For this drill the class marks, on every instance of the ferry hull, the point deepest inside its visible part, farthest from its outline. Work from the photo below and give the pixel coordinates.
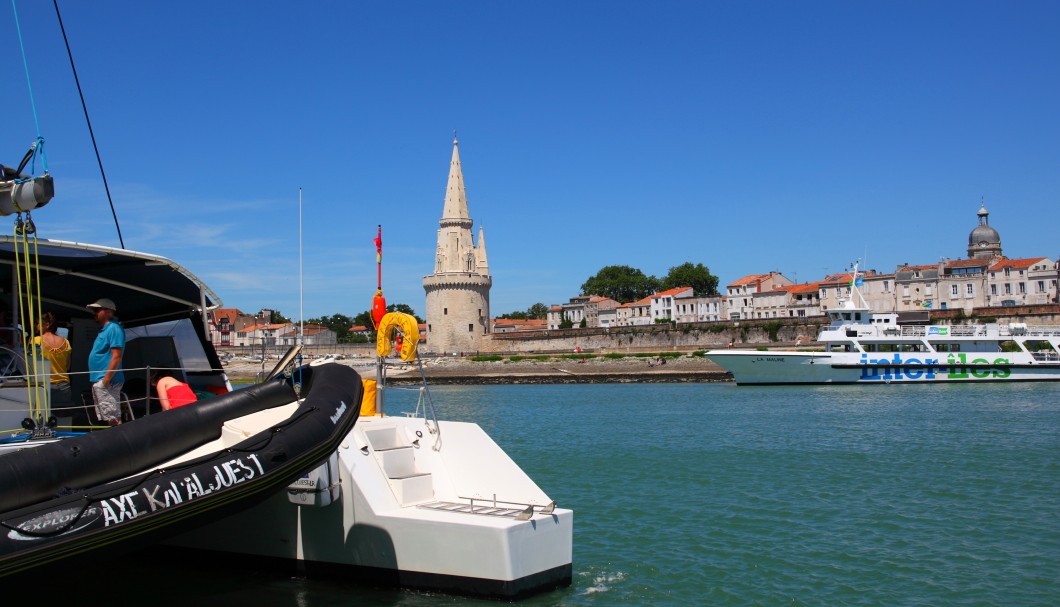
(751, 367)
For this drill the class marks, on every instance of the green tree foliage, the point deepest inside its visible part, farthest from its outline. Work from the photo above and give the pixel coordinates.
(538, 311)
(403, 308)
(278, 318)
(566, 323)
(697, 276)
(621, 283)
(339, 323)
(364, 319)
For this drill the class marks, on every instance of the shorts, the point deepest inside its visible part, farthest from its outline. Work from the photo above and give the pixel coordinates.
(107, 399)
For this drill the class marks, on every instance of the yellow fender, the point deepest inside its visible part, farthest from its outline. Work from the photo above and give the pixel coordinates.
(410, 330)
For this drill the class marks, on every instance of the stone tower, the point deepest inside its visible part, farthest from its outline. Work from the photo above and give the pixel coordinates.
(984, 242)
(458, 293)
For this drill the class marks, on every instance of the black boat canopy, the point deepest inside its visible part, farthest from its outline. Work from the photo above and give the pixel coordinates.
(145, 288)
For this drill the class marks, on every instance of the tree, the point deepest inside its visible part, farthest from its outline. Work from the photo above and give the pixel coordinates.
(566, 323)
(538, 310)
(279, 319)
(621, 283)
(339, 323)
(514, 316)
(697, 276)
(404, 308)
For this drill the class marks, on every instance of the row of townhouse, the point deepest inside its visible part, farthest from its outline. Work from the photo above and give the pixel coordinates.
(951, 284)
(673, 305)
(964, 284)
(230, 327)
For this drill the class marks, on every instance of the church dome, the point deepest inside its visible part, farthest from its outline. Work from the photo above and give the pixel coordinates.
(984, 241)
(983, 233)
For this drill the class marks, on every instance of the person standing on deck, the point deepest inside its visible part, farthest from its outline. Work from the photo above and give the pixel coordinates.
(56, 349)
(104, 363)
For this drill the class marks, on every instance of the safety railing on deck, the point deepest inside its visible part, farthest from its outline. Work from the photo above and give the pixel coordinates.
(14, 377)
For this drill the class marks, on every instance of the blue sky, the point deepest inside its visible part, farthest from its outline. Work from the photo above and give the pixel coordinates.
(747, 136)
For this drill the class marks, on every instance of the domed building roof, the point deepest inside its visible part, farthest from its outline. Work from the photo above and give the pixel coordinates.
(984, 241)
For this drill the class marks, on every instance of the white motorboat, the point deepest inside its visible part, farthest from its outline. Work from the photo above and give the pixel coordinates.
(424, 504)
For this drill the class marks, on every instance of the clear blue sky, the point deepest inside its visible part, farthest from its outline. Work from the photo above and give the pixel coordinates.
(747, 136)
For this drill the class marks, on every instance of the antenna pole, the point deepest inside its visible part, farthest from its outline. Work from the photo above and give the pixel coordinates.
(301, 309)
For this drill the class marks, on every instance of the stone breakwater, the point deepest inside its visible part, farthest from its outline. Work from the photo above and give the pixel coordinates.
(464, 371)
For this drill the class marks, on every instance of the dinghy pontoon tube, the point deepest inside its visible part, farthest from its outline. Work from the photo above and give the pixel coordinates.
(131, 511)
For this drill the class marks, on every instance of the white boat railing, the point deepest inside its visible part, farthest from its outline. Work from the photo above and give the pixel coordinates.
(943, 331)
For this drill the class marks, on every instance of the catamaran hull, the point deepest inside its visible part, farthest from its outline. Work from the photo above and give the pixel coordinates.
(749, 367)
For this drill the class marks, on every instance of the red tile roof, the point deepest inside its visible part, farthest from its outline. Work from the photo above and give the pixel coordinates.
(1017, 263)
(750, 279)
(673, 291)
(227, 313)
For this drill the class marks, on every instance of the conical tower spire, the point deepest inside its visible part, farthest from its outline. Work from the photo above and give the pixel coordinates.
(455, 210)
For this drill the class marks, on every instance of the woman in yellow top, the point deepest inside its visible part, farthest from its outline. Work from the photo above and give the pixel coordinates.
(56, 349)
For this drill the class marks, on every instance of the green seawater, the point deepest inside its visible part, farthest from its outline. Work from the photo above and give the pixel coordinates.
(710, 494)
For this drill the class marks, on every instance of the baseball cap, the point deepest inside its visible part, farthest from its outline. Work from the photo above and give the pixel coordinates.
(102, 303)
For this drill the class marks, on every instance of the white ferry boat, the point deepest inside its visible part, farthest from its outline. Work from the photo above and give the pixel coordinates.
(862, 347)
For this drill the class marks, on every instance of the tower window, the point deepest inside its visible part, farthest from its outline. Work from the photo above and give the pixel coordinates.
(470, 328)
(428, 328)
(445, 311)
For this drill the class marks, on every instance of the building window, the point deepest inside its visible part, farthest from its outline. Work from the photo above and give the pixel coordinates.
(470, 328)
(1041, 286)
(1023, 287)
(993, 289)
(1008, 288)
(905, 291)
(969, 289)
(953, 289)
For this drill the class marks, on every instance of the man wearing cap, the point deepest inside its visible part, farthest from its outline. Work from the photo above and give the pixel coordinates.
(104, 363)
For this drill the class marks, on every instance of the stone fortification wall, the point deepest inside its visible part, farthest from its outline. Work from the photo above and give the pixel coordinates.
(654, 338)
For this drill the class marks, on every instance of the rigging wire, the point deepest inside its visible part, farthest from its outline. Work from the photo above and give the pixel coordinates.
(88, 121)
(25, 65)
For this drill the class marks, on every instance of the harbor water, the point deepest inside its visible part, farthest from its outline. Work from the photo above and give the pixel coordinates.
(712, 494)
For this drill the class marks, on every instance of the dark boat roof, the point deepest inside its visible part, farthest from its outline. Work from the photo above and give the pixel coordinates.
(145, 288)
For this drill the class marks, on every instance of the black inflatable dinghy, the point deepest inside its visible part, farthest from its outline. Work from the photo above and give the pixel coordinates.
(105, 491)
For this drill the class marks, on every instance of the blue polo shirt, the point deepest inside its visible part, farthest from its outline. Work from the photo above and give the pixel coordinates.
(110, 336)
